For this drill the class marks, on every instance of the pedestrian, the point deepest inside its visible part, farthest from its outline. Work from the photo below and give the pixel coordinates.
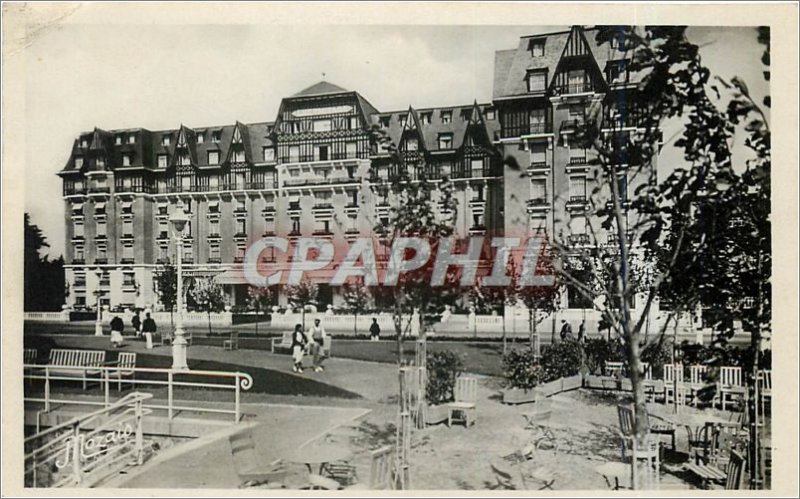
(375, 330)
(148, 329)
(299, 341)
(117, 327)
(582, 331)
(316, 343)
(136, 322)
(566, 330)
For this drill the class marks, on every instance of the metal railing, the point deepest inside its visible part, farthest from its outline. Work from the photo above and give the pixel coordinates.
(87, 448)
(116, 375)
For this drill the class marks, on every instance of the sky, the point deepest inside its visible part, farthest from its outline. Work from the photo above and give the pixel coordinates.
(80, 76)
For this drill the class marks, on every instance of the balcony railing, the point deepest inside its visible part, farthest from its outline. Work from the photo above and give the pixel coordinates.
(78, 261)
(322, 232)
(524, 129)
(294, 206)
(574, 88)
(322, 206)
(578, 239)
(127, 236)
(73, 191)
(100, 189)
(577, 160)
(238, 259)
(126, 260)
(101, 261)
(163, 235)
(214, 235)
(146, 189)
(571, 125)
(579, 199)
(538, 165)
(538, 202)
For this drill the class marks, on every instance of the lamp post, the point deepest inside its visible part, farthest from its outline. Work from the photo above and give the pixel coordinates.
(98, 324)
(178, 221)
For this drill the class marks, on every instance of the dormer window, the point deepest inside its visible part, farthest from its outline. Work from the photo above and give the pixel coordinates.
(618, 40)
(617, 71)
(162, 160)
(216, 136)
(131, 139)
(165, 140)
(411, 144)
(200, 138)
(403, 120)
(537, 81)
(537, 47)
(85, 143)
(489, 113)
(126, 160)
(118, 140)
(384, 121)
(447, 117)
(184, 160)
(425, 118)
(213, 157)
(78, 163)
(238, 157)
(445, 141)
(269, 154)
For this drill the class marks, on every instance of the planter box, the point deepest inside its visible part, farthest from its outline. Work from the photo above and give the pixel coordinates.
(551, 388)
(571, 383)
(519, 395)
(435, 413)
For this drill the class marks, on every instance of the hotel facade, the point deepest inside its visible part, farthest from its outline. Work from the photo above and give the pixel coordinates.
(316, 170)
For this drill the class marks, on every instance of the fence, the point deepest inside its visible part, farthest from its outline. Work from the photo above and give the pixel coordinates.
(62, 316)
(87, 448)
(116, 376)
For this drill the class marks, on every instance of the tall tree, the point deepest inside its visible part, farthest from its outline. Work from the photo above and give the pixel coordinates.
(259, 298)
(301, 295)
(166, 284)
(208, 297)
(356, 297)
(48, 292)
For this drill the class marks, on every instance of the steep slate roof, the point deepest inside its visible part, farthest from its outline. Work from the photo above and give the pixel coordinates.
(321, 88)
(430, 132)
(512, 66)
(191, 142)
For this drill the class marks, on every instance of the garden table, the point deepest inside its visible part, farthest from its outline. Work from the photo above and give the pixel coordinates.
(319, 454)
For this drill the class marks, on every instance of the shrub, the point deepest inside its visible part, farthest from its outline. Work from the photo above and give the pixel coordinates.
(657, 355)
(599, 350)
(520, 369)
(443, 369)
(561, 360)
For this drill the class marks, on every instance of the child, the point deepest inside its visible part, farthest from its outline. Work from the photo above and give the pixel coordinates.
(299, 341)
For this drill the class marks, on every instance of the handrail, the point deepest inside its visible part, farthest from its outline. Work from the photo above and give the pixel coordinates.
(78, 453)
(116, 375)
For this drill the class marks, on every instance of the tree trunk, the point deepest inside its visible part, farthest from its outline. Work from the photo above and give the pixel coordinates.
(752, 400)
(209, 321)
(258, 317)
(355, 323)
(505, 347)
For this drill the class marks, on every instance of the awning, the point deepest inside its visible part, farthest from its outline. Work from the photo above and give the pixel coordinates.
(213, 205)
(231, 276)
(77, 207)
(99, 206)
(126, 205)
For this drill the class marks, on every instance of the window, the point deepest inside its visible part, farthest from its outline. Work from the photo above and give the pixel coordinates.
(351, 150)
(577, 188)
(126, 160)
(354, 123)
(476, 165)
(213, 252)
(184, 160)
(163, 230)
(131, 139)
(80, 280)
(213, 182)
(295, 225)
(84, 143)
(78, 163)
(489, 113)
(165, 140)
(537, 81)
(240, 251)
(240, 205)
(102, 254)
(538, 154)
(322, 125)
(322, 226)
(403, 120)
(188, 254)
(213, 206)
(269, 154)
(445, 141)
(238, 156)
(617, 72)
(77, 229)
(412, 144)
(577, 81)
(101, 162)
(446, 170)
(537, 48)
(576, 112)
(539, 190)
(241, 226)
(162, 160)
(477, 220)
(215, 136)
(118, 140)
(187, 206)
(79, 254)
(213, 157)
(200, 137)
(425, 118)
(100, 209)
(384, 121)
(447, 117)
(127, 228)
(294, 154)
(618, 40)
(101, 229)
(186, 183)
(538, 121)
(77, 209)
(128, 279)
(478, 193)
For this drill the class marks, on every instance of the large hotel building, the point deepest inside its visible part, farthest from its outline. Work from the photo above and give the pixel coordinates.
(313, 171)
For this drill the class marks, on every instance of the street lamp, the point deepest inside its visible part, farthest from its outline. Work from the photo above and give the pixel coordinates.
(98, 324)
(179, 221)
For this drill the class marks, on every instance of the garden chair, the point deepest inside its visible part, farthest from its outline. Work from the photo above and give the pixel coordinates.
(661, 427)
(697, 381)
(730, 384)
(381, 471)
(647, 449)
(615, 369)
(466, 396)
(765, 388)
(652, 387)
(699, 442)
(126, 368)
(671, 372)
(733, 476)
(246, 461)
(538, 422)
(232, 343)
(166, 339)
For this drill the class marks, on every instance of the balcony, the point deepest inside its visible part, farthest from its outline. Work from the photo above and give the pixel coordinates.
(145, 189)
(187, 259)
(100, 189)
(524, 130)
(537, 204)
(578, 239)
(352, 231)
(240, 211)
(577, 202)
(101, 261)
(126, 261)
(77, 238)
(240, 235)
(322, 207)
(322, 232)
(101, 237)
(268, 233)
(574, 88)
(477, 229)
(78, 261)
(570, 126)
(162, 261)
(295, 233)
(577, 160)
(127, 236)
(310, 182)
(237, 259)
(74, 191)
(538, 165)
(214, 235)
(163, 236)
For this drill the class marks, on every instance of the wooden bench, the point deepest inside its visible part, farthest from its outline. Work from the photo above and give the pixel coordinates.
(126, 365)
(30, 355)
(285, 341)
(82, 360)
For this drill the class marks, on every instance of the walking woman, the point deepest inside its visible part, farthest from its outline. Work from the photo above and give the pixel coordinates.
(299, 341)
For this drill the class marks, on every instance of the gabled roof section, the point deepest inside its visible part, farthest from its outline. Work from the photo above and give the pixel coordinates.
(239, 140)
(511, 66)
(476, 126)
(412, 129)
(321, 88)
(185, 143)
(578, 46)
